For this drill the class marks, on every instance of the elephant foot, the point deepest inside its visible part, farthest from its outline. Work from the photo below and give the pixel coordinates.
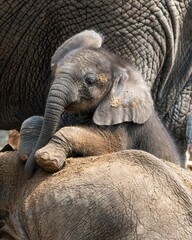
(50, 158)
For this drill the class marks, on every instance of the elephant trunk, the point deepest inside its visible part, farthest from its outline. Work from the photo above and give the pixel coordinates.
(62, 93)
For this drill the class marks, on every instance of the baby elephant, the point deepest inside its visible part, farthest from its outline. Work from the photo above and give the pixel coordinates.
(97, 104)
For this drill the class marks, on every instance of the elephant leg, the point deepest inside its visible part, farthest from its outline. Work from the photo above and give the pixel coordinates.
(29, 134)
(76, 141)
(188, 163)
(177, 119)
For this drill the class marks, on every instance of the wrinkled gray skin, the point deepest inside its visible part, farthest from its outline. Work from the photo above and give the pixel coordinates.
(155, 36)
(106, 107)
(189, 134)
(125, 195)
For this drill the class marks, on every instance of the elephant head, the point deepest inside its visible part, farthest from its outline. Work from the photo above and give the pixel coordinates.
(87, 78)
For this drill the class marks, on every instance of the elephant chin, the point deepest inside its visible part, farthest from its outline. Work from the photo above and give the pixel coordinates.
(62, 93)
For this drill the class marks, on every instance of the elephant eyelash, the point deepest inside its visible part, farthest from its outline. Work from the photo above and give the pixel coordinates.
(90, 81)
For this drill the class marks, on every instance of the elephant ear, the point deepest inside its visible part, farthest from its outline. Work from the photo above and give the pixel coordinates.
(85, 39)
(128, 101)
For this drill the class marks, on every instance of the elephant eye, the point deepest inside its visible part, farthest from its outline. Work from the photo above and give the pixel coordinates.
(90, 79)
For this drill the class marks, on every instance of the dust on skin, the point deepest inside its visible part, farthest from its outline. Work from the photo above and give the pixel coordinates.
(116, 102)
(181, 172)
(134, 103)
(102, 78)
(78, 165)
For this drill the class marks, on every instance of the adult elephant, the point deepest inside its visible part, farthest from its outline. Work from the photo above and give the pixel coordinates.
(125, 195)
(155, 36)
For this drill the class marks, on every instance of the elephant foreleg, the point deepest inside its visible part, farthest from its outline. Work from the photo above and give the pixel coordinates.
(79, 141)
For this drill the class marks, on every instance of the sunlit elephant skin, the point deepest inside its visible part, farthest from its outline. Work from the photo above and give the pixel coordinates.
(125, 195)
(155, 36)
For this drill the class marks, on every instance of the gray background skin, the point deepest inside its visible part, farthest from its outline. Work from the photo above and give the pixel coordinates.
(155, 36)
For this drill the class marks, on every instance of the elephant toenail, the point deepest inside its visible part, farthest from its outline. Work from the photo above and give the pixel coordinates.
(44, 156)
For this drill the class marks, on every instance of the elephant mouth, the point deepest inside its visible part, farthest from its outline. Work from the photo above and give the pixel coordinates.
(71, 108)
(84, 105)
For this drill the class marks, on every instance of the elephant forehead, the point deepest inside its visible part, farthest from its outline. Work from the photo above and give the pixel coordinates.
(86, 56)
